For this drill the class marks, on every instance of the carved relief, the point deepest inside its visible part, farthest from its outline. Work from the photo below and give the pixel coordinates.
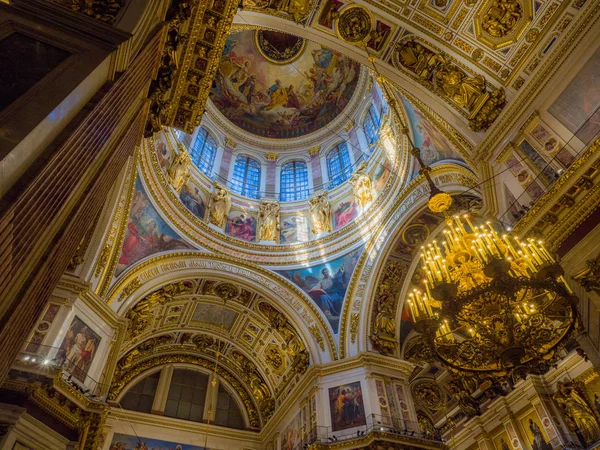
(320, 213)
(220, 202)
(268, 217)
(354, 24)
(362, 186)
(467, 92)
(383, 336)
(428, 394)
(501, 17)
(295, 10)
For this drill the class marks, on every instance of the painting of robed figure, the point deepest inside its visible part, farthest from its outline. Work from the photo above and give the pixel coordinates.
(346, 406)
(78, 349)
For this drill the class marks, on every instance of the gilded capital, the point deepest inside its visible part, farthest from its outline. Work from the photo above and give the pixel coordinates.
(314, 150)
(271, 156)
(230, 142)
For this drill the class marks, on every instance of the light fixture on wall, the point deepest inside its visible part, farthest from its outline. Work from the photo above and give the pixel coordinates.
(490, 303)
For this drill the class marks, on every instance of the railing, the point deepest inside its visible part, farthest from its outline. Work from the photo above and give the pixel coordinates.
(270, 195)
(71, 365)
(373, 423)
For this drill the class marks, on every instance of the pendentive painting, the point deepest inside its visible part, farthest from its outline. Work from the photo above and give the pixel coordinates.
(195, 199)
(578, 106)
(326, 284)
(78, 349)
(127, 442)
(343, 212)
(432, 142)
(276, 85)
(241, 225)
(294, 228)
(146, 234)
(346, 406)
(292, 435)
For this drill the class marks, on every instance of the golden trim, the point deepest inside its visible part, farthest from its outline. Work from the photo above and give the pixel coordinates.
(276, 62)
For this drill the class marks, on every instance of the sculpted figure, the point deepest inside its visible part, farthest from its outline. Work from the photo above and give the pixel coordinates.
(179, 171)
(219, 206)
(320, 213)
(501, 17)
(577, 409)
(363, 189)
(459, 87)
(269, 221)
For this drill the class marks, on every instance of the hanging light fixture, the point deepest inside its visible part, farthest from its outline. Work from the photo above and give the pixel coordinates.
(491, 303)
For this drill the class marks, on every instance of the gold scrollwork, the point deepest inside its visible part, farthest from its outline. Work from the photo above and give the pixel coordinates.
(354, 24)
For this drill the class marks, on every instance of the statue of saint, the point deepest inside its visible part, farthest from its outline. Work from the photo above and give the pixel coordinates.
(179, 171)
(269, 221)
(577, 409)
(220, 203)
(320, 213)
(456, 85)
(363, 189)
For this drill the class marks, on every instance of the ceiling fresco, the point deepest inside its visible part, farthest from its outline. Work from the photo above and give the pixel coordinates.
(275, 85)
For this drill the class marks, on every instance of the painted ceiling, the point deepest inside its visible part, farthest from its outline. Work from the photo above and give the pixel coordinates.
(276, 85)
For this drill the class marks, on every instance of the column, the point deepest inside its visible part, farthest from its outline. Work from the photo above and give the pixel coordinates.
(315, 167)
(162, 390)
(271, 182)
(45, 219)
(226, 160)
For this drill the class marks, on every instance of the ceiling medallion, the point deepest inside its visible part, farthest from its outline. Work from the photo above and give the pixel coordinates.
(490, 303)
(500, 23)
(279, 48)
(354, 24)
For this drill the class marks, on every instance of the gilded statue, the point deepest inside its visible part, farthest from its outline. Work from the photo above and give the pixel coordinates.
(589, 277)
(268, 216)
(501, 17)
(320, 213)
(362, 187)
(468, 406)
(577, 409)
(179, 171)
(220, 202)
(297, 9)
(456, 85)
(418, 59)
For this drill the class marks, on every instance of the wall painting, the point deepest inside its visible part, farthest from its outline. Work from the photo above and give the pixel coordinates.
(381, 174)
(147, 233)
(535, 432)
(195, 199)
(294, 228)
(241, 225)
(578, 106)
(343, 212)
(292, 435)
(502, 441)
(127, 442)
(326, 284)
(346, 406)
(78, 349)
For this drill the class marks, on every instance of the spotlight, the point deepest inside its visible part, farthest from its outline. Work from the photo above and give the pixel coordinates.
(46, 362)
(26, 358)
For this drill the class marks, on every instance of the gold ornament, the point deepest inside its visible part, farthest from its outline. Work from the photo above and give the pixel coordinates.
(354, 24)
(501, 17)
(220, 202)
(268, 216)
(440, 202)
(179, 171)
(362, 187)
(320, 213)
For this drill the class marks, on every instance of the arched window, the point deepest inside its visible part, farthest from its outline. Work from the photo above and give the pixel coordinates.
(228, 413)
(203, 151)
(294, 181)
(371, 124)
(246, 177)
(187, 395)
(141, 396)
(338, 165)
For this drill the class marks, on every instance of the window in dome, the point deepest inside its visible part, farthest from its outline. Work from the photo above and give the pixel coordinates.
(187, 395)
(246, 177)
(203, 151)
(339, 167)
(228, 413)
(141, 396)
(371, 125)
(294, 181)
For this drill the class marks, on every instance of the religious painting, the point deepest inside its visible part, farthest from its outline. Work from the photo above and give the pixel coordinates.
(381, 174)
(292, 435)
(279, 86)
(379, 35)
(434, 145)
(214, 315)
(577, 108)
(525, 178)
(343, 212)
(326, 284)
(78, 349)
(502, 441)
(329, 13)
(147, 233)
(535, 432)
(162, 152)
(241, 225)
(545, 170)
(346, 406)
(195, 199)
(540, 133)
(564, 157)
(294, 228)
(127, 442)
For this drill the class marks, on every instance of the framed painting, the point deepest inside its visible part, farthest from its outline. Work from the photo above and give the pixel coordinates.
(346, 406)
(78, 349)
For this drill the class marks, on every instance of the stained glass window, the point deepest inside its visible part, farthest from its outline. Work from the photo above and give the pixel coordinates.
(294, 181)
(203, 151)
(339, 168)
(371, 124)
(246, 177)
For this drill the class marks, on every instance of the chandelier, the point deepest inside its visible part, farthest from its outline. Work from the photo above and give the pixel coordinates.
(490, 303)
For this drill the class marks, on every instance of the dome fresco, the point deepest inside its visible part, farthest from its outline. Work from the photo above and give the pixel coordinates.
(275, 85)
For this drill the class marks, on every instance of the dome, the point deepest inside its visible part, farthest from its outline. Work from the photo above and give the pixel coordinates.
(276, 85)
